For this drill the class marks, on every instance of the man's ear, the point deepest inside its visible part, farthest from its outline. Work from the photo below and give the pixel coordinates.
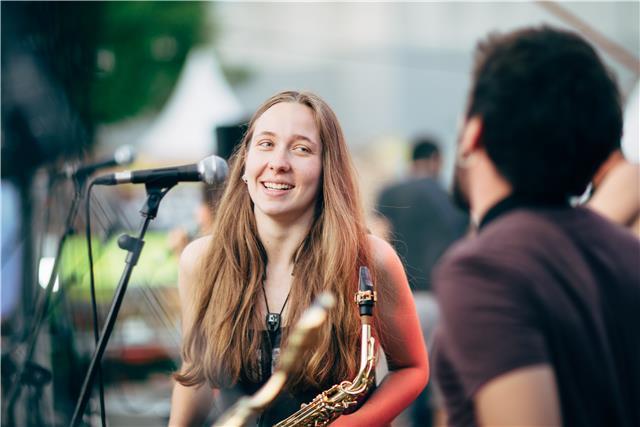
(471, 135)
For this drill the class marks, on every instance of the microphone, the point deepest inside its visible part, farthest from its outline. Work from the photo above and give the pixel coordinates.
(211, 170)
(122, 156)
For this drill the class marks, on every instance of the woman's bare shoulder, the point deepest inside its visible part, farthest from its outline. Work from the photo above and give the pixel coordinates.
(383, 254)
(189, 277)
(197, 246)
(193, 254)
(387, 263)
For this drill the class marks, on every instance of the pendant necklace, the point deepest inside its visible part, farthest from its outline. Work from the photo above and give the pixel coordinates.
(273, 320)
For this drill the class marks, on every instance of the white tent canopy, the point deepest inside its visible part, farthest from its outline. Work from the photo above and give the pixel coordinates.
(201, 100)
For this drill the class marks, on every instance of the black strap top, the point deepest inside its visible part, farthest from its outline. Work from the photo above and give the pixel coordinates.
(286, 403)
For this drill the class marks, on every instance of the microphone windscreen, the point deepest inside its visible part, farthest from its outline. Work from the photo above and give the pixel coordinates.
(124, 155)
(213, 169)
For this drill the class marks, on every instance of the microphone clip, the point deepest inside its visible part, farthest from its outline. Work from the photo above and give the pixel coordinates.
(155, 192)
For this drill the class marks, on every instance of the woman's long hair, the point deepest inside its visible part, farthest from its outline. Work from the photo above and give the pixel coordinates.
(221, 346)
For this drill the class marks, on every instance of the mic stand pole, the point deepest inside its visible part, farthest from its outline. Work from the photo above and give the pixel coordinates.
(133, 245)
(30, 373)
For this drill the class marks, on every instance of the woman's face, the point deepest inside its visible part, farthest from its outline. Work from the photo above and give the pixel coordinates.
(284, 162)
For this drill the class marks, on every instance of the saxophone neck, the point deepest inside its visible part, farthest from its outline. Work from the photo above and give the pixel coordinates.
(366, 298)
(365, 343)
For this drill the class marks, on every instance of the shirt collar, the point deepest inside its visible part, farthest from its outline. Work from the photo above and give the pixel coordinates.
(514, 201)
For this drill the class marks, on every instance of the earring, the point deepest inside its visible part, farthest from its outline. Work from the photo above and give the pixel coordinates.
(244, 178)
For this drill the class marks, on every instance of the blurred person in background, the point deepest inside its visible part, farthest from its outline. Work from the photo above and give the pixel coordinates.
(289, 226)
(539, 310)
(180, 237)
(227, 137)
(616, 191)
(423, 222)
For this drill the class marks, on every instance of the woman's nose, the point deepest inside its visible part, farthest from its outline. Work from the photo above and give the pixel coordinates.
(279, 161)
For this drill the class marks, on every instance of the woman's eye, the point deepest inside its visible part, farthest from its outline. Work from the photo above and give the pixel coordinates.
(302, 149)
(265, 143)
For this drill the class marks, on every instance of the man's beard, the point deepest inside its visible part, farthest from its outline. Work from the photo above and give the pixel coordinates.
(460, 190)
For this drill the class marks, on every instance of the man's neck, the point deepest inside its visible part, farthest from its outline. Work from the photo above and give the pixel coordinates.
(480, 209)
(486, 188)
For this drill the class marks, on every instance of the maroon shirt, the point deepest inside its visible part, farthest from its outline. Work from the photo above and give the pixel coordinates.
(557, 286)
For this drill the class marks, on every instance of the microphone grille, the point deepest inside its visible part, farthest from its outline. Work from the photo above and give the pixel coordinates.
(213, 169)
(124, 155)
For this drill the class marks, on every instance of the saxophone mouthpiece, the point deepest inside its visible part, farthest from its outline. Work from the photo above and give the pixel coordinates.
(365, 279)
(366, 296)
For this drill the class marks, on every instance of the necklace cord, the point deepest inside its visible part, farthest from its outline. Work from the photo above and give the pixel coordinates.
(264, 294)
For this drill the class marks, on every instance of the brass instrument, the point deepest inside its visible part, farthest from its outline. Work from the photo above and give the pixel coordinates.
(332, 403)
(247, 407)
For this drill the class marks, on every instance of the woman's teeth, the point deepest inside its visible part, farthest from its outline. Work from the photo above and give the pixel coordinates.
(276, 186)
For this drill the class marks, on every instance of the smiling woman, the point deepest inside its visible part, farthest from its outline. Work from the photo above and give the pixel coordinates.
(289, 226)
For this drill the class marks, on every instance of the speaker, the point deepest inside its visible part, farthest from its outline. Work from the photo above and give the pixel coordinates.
(228, 137)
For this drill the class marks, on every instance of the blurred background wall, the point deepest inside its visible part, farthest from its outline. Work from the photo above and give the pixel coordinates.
(393, 70)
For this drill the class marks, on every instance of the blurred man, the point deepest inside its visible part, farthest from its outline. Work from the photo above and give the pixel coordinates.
(423, 222)
(539, 310)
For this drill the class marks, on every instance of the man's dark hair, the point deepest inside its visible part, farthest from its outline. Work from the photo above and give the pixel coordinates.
(424, 148)
(550, 110)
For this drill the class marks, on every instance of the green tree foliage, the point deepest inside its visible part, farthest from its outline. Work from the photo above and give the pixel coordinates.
(112, 59)
(140, 50)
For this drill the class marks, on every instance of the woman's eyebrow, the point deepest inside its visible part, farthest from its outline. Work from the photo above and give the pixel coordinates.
(267, 133)
(303, 137)
(294, 137)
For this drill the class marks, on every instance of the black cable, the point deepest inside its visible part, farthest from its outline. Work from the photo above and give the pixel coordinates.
(96, 327)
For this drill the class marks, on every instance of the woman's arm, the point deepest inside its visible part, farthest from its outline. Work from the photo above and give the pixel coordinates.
(190, 405)
(532, 393)
(618, 195)
(400, 334)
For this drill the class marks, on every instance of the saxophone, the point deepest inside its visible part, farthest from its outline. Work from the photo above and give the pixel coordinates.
(332, 403)
(310, 321)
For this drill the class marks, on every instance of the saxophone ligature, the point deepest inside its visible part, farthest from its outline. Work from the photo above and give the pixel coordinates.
(247, 407)
(346, 396)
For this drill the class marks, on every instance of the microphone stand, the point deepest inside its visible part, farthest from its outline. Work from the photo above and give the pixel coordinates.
(31, 373)
(133, 245)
